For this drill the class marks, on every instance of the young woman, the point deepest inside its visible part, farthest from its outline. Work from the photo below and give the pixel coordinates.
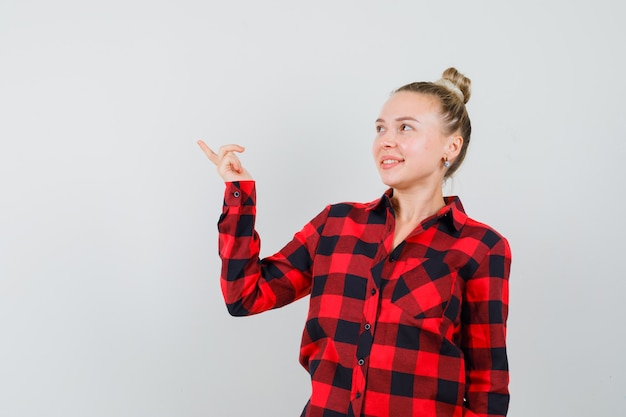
(408, 295)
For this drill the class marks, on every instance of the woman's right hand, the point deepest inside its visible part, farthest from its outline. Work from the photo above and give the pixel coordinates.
(228, 165)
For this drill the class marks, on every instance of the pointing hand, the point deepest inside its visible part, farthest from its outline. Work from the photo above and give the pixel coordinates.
(227, 163)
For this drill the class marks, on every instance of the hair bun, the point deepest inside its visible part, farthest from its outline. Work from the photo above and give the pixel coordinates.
(456, 83)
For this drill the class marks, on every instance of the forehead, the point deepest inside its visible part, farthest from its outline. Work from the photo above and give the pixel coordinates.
(408, 103)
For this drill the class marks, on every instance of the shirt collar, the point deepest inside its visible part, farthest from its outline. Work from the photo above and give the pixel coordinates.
(380, 203)
(453, 211)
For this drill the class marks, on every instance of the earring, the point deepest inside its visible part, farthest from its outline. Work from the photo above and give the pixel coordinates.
(446, 163)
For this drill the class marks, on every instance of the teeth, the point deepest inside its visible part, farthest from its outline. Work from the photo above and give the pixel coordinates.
(390, 161)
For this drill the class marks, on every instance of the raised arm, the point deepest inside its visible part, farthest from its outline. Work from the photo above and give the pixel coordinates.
(249, 284)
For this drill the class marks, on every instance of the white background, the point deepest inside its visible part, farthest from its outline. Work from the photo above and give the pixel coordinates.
(109, 275)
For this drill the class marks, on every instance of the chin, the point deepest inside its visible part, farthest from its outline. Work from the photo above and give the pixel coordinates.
(388, 183)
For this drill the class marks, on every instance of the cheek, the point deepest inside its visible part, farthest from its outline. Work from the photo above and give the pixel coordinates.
(423, 151)
(414, 147)
(375, 146)
(426, 144)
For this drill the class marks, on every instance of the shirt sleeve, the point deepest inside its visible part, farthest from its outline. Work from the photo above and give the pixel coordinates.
(251, 285)
(485, 311)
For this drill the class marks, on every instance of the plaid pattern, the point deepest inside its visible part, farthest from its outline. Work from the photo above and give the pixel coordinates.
(418, 330)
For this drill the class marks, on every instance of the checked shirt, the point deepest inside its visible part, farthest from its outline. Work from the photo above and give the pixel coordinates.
(418, 330)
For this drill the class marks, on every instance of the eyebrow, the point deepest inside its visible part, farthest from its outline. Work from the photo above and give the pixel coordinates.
(399, 119)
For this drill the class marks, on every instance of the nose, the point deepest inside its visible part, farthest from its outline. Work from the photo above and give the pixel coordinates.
(388, 140)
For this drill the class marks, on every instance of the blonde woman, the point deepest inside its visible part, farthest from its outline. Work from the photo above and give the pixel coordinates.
(408, 295)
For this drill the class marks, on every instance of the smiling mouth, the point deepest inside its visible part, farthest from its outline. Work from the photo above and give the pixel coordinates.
(391, 161)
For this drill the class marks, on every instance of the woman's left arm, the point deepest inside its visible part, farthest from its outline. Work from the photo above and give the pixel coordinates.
(484, 314)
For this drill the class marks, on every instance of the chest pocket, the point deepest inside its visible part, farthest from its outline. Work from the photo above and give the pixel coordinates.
(424, 289)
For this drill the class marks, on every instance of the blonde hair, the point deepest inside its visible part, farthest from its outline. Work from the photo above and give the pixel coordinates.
(453, 90)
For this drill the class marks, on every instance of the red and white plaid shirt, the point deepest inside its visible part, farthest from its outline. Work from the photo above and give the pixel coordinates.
(418, 330)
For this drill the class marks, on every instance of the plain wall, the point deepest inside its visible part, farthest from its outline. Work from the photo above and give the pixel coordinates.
(109, 275)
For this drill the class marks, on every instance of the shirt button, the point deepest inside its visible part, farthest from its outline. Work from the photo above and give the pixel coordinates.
(361, 362)
(236, 194)
(358, 395)
(367, 326)
(373, 291)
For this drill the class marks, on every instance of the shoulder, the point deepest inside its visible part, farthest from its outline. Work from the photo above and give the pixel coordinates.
(486, 237)
(472, 229)
(345, 209)
(338, 213)
(352, 209)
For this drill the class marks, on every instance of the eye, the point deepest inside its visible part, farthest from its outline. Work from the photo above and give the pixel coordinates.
(405, 127)
(380, 129)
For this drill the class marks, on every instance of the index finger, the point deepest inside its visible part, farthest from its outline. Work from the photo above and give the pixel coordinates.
(208, 152)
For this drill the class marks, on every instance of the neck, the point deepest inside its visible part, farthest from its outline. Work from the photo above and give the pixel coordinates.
(415, 205)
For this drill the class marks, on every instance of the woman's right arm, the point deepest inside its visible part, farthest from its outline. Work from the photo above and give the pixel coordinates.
(251, 285)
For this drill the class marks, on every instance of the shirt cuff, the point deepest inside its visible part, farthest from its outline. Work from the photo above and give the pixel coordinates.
(240, 193)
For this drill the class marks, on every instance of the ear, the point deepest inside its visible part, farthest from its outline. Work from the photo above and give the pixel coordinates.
(453, 148)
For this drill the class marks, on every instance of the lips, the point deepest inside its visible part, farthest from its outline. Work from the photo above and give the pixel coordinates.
(390, 161)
